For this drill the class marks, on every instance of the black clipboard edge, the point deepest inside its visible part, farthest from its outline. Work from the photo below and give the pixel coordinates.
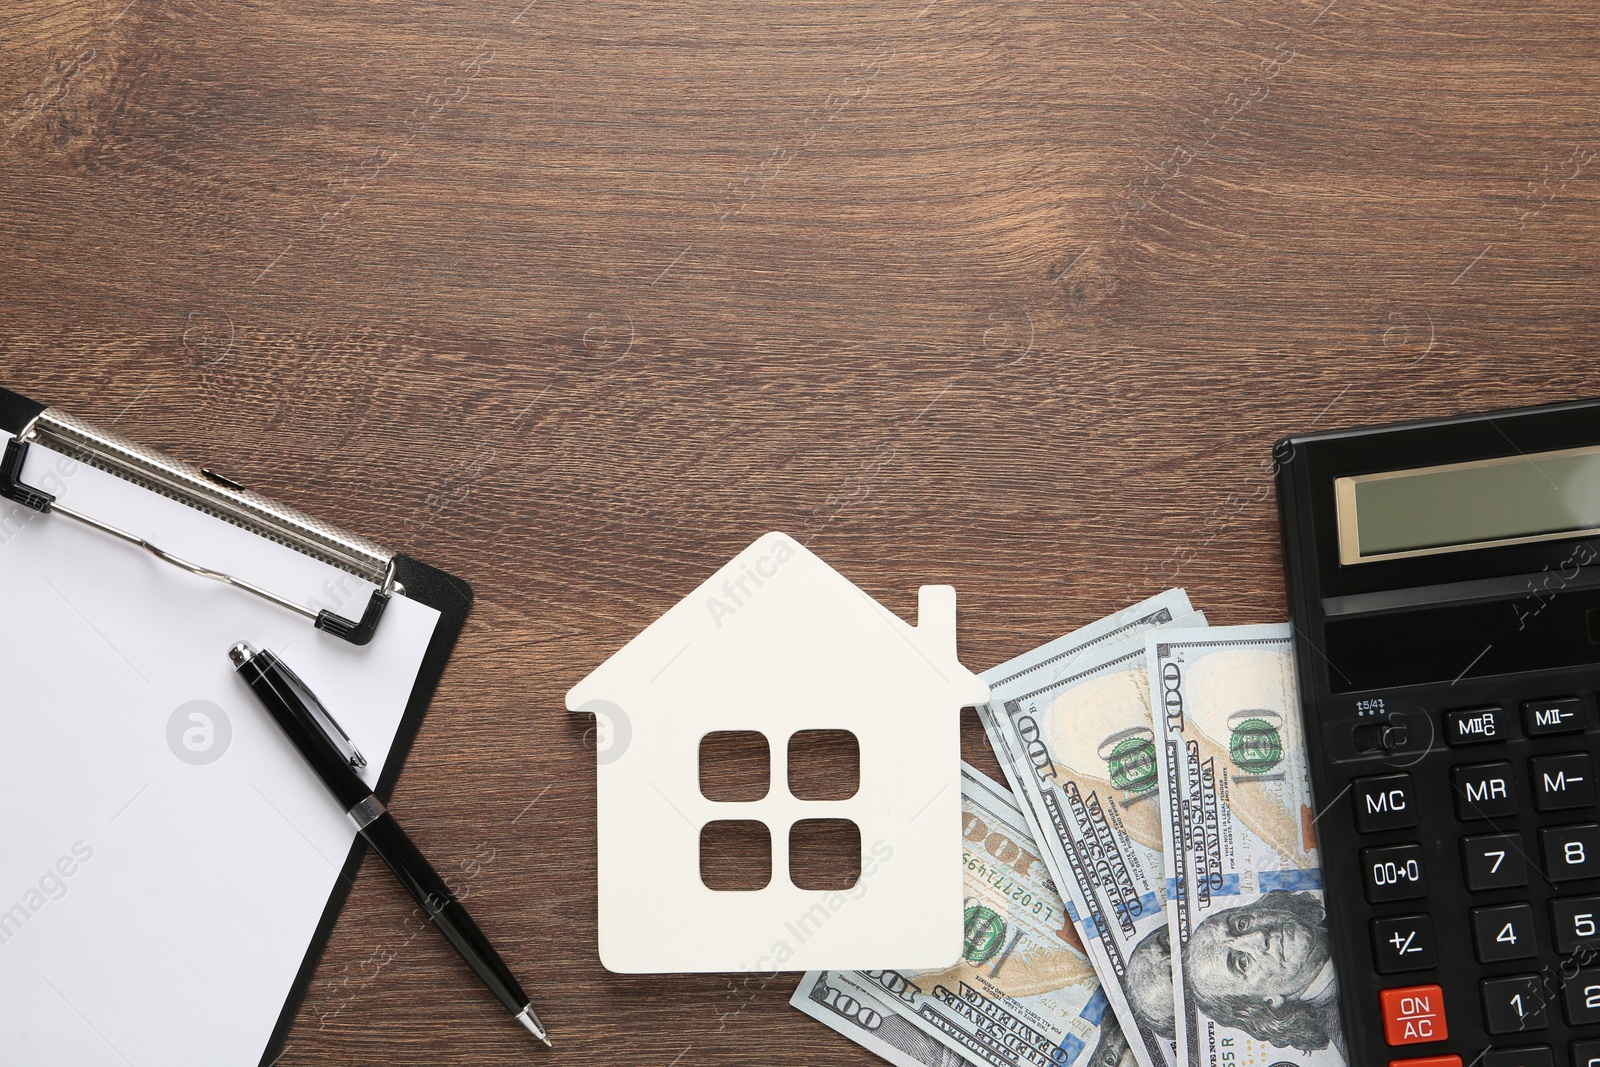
(16, 411)
(453, 598)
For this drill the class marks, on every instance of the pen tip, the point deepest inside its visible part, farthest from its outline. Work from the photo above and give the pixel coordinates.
(531, 1023)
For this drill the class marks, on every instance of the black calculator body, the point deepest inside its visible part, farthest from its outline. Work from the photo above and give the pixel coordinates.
(1444, 582)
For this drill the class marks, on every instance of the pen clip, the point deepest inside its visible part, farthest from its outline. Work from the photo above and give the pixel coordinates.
(324, 718)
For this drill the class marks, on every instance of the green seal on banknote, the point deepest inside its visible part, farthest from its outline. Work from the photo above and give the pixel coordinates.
(1255, 741)
(1131, 762)
(985, 933)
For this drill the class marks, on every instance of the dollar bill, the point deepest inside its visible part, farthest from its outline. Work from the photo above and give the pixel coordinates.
(870, 1022)
(1247, 930)
(1023, 994)
(1071, 725)
(1097, 785)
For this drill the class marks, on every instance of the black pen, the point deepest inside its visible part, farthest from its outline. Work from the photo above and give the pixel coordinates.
(334, 758)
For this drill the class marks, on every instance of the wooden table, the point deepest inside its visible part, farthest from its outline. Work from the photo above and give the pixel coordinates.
(577, 300)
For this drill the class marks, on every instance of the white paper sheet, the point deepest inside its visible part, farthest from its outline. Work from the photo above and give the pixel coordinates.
(155, 908)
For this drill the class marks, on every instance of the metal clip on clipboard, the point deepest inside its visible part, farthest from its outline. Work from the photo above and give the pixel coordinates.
(212, 494)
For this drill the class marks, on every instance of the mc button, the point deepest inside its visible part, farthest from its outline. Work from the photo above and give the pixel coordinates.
(1383, 803)
(1413, 1014)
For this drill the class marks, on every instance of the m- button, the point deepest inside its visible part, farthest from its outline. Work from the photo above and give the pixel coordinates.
(1413, 1014)
(1562, 782)
(1383, 803)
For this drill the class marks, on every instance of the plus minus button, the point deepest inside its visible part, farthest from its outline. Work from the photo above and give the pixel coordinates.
(1402, 943)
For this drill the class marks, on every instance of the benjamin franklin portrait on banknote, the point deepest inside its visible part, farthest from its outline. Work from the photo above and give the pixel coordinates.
(1263, 968)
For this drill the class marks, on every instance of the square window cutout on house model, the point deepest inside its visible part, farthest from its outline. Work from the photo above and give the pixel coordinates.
(779, 644)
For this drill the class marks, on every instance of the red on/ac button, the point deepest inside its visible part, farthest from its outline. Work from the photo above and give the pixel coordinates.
(1428, 1061)
(1413, 1014)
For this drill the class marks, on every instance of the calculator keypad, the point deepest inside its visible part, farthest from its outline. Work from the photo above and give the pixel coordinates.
(1517, 948)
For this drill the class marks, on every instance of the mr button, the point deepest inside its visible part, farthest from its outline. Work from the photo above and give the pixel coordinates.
(1413, 1014)
(1484, 791)
(1383, 803)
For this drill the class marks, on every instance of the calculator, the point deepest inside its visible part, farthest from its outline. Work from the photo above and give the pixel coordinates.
(1444, 583)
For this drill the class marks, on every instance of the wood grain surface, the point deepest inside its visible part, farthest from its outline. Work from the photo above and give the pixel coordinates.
(576, 300)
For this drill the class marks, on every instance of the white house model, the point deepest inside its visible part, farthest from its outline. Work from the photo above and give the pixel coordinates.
(779, 642)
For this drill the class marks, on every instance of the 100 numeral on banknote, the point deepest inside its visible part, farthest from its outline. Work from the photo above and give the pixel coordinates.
(870, 1022)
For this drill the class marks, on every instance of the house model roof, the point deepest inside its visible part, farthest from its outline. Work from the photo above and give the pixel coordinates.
(781, 602)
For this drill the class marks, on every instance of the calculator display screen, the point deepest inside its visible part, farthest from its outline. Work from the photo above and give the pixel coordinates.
(1507, 500)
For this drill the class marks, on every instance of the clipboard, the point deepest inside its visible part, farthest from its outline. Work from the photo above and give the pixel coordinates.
(234, 514)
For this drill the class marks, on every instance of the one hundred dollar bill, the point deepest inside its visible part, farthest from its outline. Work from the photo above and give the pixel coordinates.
(1247, 930)
(1023, 994)
(1071, 725)
(870, 1022)
(1095, 768)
